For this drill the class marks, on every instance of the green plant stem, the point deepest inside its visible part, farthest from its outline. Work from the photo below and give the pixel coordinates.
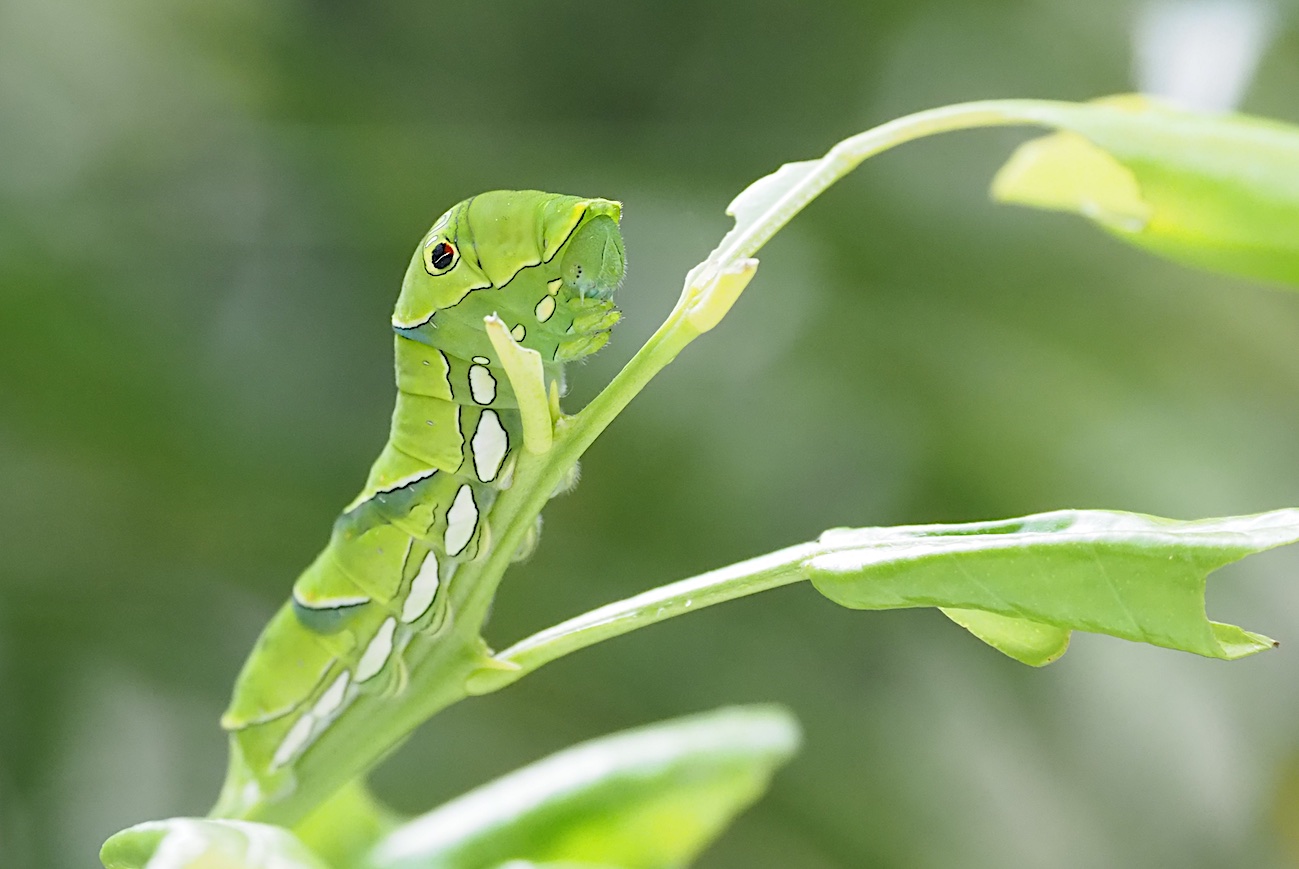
(782, 567)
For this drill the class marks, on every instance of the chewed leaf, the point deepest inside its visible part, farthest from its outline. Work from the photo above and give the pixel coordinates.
(649, 798)
(1216, 191)
(1026, 641)
(759, 214)
(1138, 577)
(196, 843)
(756, 207)
(755, 202)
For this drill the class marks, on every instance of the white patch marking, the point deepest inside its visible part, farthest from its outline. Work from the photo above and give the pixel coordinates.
(332, 699)
(406, 481)
(376, 654)
(482, 360)
(553, 286)
(462, 519)
(295, 740)
(330, 603)
(490, 444)
(423, 588)
(482, 385)
(518, 331)
(393, 486)
(545, 309)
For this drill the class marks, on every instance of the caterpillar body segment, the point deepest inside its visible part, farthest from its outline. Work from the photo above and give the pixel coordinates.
(547, 266)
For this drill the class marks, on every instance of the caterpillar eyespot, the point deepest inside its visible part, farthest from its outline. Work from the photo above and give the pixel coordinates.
(377, 601)
(440, 257)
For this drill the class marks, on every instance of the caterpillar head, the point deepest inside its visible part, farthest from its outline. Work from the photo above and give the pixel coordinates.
(594, 261)
(487, 241)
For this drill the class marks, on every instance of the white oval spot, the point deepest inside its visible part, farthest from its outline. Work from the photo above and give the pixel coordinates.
(295, 741)
(518, 332)
(545, 309)
(490, 444)
(552, 287)
(482, 360)
(423, 588)
(482, 385)
(376, 654)
(332, 699)
(462, 519)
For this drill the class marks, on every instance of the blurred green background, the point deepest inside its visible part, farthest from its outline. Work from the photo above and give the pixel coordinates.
(205, 213)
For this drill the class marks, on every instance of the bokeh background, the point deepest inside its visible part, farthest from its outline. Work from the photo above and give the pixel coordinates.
(205, 212)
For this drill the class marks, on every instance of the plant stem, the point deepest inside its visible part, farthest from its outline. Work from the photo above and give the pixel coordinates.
(773, 570)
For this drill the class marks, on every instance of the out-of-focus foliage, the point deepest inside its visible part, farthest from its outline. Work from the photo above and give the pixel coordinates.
(204, 214)
(1209, 190)
(195, 843)
(650, 798)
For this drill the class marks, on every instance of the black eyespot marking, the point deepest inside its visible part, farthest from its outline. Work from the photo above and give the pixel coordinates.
(440, 257)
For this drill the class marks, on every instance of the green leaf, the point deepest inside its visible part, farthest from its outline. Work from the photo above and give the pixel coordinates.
(649, 798)
(1137, 577)
(1026, 641)
(196, 843)
(1216, 191)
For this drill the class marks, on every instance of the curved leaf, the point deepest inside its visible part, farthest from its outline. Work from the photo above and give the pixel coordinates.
(1137, 577)
(649, 798)
(196, 843)
(1216, 191)
(1026, 641)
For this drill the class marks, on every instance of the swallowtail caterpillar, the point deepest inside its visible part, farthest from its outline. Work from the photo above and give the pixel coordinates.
(545, 264)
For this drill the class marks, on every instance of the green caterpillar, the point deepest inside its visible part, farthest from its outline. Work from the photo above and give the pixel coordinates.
(545, 264)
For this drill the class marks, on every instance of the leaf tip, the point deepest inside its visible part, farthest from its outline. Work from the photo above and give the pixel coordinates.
(1236, 643)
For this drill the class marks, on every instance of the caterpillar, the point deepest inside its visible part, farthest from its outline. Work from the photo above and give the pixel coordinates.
(545, 264)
